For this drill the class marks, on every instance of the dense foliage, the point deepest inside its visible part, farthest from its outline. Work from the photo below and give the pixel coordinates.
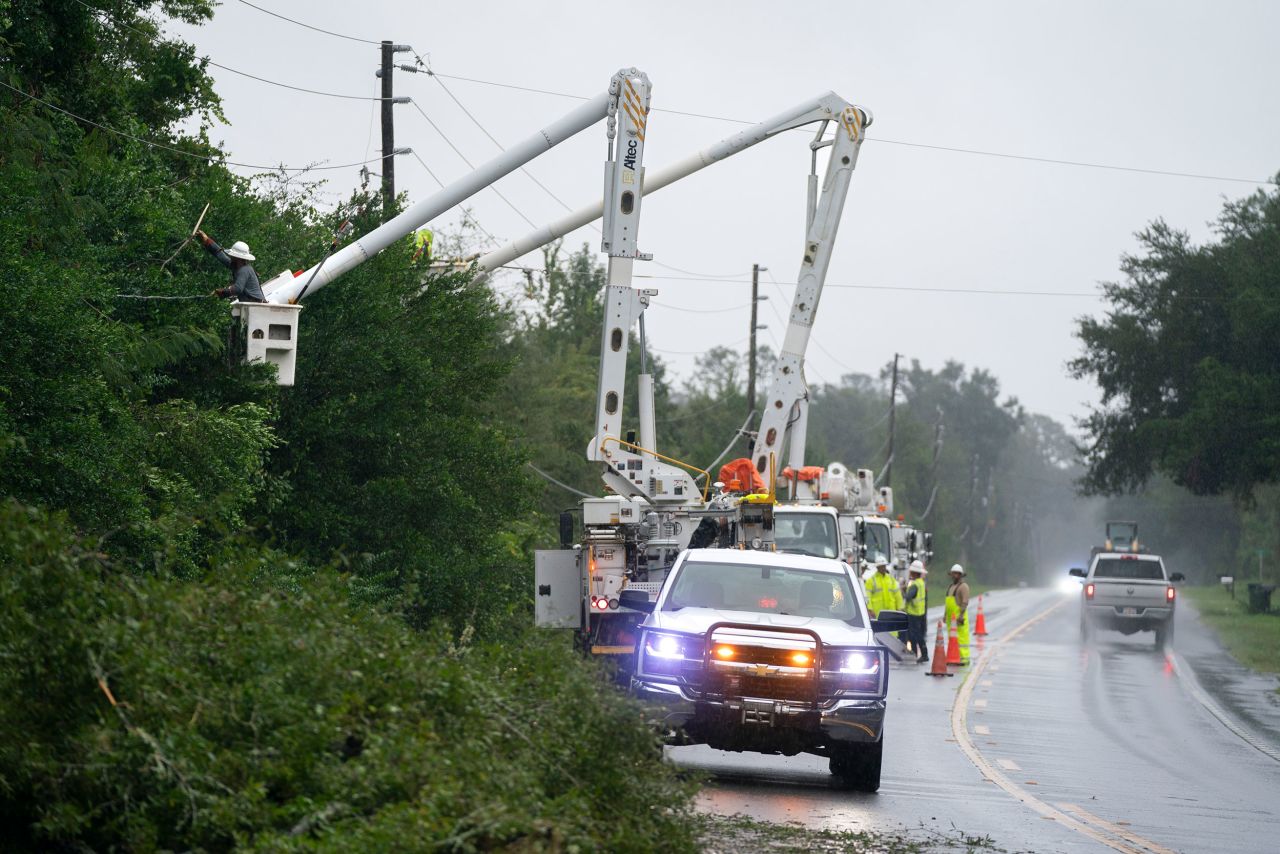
(239, 616)
(259, 709)
(1188, 358)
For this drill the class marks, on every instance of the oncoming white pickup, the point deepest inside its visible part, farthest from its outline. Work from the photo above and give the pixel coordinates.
(1128, 593)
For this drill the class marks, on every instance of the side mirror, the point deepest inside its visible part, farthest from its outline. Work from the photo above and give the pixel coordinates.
(1078, 572)
(1177, 576)
(636, 600)
(566, 529)
(889, 621)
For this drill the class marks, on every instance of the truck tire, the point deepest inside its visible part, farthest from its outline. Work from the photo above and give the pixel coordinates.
(857, 766)
(1086, 630)
(1164, 634)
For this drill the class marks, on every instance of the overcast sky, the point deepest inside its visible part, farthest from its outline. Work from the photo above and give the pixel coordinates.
(1178, 86)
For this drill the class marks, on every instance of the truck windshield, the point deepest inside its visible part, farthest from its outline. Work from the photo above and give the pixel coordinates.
(764, 590)
(807, 533)
(1120, 567)
(877, 537)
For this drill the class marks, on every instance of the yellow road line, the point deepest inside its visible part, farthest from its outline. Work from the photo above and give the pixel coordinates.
(960, 729)
(1127, 835)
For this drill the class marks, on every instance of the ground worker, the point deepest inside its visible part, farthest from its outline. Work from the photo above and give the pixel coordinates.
(917, 602)
(244, 281)
(957, 607)
(882, 590)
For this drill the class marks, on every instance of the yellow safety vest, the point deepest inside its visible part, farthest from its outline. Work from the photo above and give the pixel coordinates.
(882, 592)
(916, 607)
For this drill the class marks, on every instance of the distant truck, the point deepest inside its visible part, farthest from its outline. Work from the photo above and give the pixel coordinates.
(1128, 593)
(1121, 537)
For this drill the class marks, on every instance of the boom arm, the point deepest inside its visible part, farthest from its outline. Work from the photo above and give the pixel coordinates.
(287, 289)
(787, 387)
(822, 108)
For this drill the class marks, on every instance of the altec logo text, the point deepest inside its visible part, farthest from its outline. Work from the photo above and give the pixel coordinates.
(630, 160)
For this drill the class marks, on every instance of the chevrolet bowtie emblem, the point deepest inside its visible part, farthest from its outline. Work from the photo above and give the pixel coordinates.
(761, 669)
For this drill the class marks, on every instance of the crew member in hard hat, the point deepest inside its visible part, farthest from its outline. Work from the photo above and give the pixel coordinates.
(917, 602)
(244, 281)
(958, 607)
(882, 589)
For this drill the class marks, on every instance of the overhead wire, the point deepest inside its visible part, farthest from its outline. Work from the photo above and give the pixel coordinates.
(175, 150)
(97, 13)
(542, 186)
(950, 149)
(309, 26)
(466, 214)
(470, 165)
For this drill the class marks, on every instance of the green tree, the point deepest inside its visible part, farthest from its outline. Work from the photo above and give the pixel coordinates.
(1188, 359)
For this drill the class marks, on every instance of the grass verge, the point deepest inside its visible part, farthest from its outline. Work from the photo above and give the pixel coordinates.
(739, 833)
(1254, 639)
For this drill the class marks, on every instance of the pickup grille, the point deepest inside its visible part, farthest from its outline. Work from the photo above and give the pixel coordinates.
(796, 689)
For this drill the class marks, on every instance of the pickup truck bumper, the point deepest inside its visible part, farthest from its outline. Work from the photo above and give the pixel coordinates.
(1116, 617)
(769, 726)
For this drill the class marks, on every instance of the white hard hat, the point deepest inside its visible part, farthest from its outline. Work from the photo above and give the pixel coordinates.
(917, 566)
(957, 568)
(881, 560)
(240, 250)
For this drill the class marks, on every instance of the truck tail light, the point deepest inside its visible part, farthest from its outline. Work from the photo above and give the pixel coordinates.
(1088, 591)
(1169, 594)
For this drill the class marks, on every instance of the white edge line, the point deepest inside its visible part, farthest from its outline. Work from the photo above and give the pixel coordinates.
(1187, 675)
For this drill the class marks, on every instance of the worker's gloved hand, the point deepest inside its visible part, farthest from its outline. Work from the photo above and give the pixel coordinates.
(960, 621)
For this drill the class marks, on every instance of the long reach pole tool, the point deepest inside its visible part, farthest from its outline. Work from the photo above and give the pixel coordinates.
(194, 230)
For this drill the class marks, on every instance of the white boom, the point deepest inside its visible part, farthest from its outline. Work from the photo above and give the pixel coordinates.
(357, 252)
(787, 389)
(822, 108)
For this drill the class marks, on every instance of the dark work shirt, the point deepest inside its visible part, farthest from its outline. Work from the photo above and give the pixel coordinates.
(244, 281)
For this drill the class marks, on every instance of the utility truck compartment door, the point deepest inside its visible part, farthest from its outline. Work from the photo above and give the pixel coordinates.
(558, 589)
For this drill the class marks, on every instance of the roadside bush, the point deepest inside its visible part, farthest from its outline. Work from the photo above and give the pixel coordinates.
(257, 709)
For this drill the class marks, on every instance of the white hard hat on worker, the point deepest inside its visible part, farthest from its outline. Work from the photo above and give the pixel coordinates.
(240, 250)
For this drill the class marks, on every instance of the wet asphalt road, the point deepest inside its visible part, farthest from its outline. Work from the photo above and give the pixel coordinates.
(1050, 745)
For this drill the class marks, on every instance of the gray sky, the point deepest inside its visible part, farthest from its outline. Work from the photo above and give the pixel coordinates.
(1178, 86)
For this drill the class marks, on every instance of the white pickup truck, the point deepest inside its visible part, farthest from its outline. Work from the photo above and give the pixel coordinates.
(1128, 593)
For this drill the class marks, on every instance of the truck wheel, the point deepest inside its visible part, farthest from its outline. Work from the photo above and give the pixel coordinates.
(857, 766)
(1164, 635)
(1086, 630)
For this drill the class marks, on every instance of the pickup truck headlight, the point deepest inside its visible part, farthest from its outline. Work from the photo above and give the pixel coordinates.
(859, 672)
(663, 653)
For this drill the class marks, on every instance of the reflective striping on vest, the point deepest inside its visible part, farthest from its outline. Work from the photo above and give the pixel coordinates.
(916, 607)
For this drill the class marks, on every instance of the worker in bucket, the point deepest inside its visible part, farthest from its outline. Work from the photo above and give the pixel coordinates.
(917, 602)
(957, 607)
(244, 280)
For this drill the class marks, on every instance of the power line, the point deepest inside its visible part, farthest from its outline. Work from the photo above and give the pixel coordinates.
(309, 26)
(950, 149)
(904, 288)
(485, 131)
(458, 152)
(813, 338)
(295, 88)
(700, 310)
(101, 19)
(465, 213)
(174, 149)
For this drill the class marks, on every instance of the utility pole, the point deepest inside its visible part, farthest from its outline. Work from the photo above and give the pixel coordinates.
(751, 348)
(389, 50)
(893, 406)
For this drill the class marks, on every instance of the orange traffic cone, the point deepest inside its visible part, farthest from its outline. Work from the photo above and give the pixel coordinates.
(980, 627)
(953, 646)
(939, 666)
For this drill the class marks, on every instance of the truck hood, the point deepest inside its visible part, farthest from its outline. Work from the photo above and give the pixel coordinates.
(698, 620)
